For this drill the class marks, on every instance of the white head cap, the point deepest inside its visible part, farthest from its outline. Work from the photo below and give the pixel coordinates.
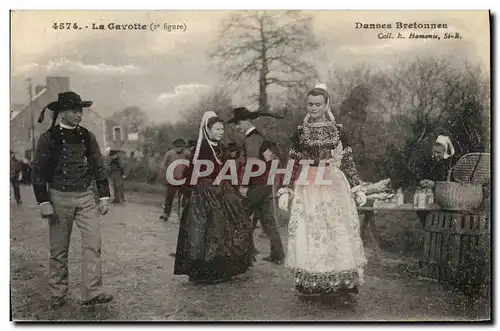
(321, 86)
(448, 146)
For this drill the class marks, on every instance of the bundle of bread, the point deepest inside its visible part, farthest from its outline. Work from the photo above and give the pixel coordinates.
(380, 190)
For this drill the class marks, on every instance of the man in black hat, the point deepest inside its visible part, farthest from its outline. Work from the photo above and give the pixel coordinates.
(178, 152)
(67, 160)
(259, 194)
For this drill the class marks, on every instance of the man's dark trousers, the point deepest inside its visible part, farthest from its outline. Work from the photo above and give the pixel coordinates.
(169, 198)
(259, 203)
(14, 180)
(116, 178)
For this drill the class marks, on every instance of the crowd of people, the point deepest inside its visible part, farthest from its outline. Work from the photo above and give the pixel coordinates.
(324, 252)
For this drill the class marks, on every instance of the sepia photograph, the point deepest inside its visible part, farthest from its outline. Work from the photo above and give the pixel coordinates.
(250, 165)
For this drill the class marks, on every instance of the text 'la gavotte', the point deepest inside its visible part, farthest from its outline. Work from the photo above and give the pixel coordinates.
(115, 26)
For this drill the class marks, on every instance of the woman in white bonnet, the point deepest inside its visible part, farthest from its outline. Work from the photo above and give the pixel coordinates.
(325, 251)
(437, 168)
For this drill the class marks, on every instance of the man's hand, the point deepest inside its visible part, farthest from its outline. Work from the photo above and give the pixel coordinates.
(46, 210)
(104, 206)
(243, 190)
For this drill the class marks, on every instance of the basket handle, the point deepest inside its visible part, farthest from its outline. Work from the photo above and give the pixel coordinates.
(448, 177)
(475, 168)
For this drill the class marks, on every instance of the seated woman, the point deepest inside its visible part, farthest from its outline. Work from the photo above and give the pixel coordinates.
(437, 168)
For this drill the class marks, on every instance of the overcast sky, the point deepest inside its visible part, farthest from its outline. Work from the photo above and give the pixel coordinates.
(152, 70)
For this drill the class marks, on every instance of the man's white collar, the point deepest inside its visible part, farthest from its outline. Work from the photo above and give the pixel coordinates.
(250, 130)
(65, 126)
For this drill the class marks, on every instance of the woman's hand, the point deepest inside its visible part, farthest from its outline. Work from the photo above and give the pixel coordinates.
(284, 195)
(283, 201)
(360, 198)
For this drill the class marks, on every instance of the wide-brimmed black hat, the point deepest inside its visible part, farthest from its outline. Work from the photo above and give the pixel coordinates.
(242, 114)
(179, 142)
(65, 101)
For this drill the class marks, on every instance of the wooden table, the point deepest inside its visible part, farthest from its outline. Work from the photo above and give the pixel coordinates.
(367, 222)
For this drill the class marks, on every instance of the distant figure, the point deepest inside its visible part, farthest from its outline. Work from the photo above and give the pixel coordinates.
(15, 171)
(116, 171)
(184, 192)
(177, 152)
(152, 165)
(131, 166)
(25, 172)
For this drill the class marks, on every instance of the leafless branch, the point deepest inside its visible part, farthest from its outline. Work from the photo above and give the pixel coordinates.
(272, 45)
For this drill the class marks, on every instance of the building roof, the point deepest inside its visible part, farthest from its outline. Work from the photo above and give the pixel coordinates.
(25, 107)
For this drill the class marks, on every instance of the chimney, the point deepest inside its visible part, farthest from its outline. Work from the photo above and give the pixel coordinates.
(38, 89)
(57, 85)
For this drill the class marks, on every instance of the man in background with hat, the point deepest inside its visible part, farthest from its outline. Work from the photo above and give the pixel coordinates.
(178, 151)
(259, 194)
(67, 160)
(116, 171)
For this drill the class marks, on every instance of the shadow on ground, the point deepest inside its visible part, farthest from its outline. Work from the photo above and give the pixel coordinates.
(138, 270)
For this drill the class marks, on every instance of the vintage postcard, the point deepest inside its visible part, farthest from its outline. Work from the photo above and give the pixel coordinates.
(250, 166)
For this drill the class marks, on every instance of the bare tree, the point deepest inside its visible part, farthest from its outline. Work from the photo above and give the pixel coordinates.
(269, 46)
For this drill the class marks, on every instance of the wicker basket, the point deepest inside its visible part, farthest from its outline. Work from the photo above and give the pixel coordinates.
(458, 196)
(471, 172)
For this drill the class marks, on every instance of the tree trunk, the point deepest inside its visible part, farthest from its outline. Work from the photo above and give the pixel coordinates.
(263, 102)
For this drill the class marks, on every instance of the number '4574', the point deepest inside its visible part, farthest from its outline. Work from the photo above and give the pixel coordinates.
(64, 26)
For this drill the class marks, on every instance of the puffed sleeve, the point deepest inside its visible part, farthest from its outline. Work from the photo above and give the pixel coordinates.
(348, 168)
(295, 155)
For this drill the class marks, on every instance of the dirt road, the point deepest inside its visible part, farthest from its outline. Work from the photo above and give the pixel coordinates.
(138, 270)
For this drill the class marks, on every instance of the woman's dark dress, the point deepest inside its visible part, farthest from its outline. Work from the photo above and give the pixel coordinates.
(214, 235)
(437, 171)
